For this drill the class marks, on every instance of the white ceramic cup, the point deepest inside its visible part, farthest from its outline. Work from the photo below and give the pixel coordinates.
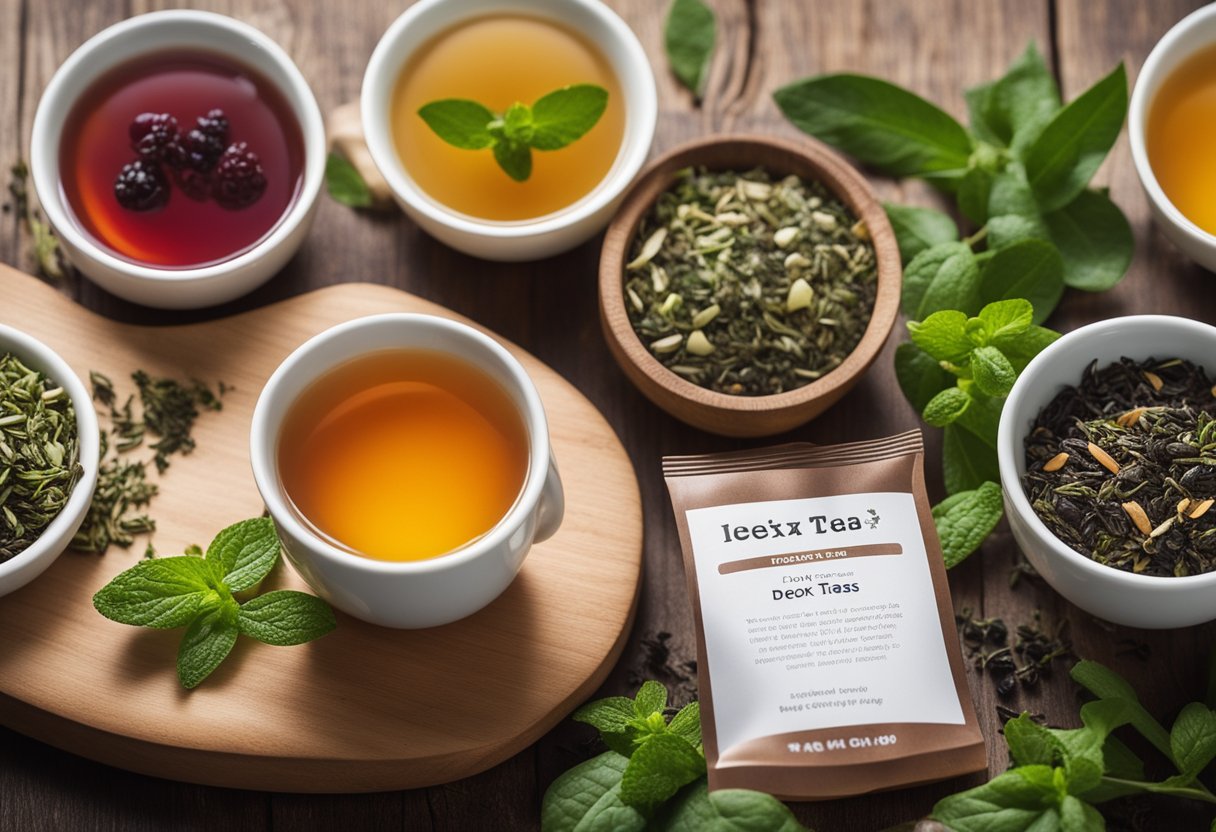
(176, 288)
(1194, 32)
(409, 594)
(1118, 596)
(34, 560)
(528, 239)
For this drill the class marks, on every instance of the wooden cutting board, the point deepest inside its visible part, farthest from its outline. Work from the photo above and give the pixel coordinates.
(365, 708)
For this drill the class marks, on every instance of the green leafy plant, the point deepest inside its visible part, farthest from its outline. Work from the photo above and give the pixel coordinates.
(198, 593)
(653, 776)
(957, 371)
(551, 123)
(689, 38)
(1058, 776)
(1020, 175)
(345, 184)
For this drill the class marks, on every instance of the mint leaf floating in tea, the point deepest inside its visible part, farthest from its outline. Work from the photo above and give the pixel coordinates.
(345, 184)
(197, 593)
(689, 37)
(554, 121)
(39, 454)
(749, 284)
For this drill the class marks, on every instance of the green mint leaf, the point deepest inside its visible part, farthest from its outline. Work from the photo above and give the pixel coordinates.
(659, 768)
(983, 417)
(697, 809)
(622, 742)
(945, 276)
(207, 642)
(1019, 349)
(993, 374)
(879, 124)
(564, 116)
(687, 724)
(245, 552)
(286, 617)
(345, 184)
(1029, 742)
(1030, 269)
(517, 123)
(967, 460)
(1095, 240)
(161, 593)
(964, 521)
(1067, 153)
(514, 158)
(1193, 739)
(1023, 798)
(917, 229)
(651, 699)
(943, 335)
(1081, 748)
(1013, 213)
(1078, 816)
(1120, 761)
(973, 193)
(946, 407)
(459, 122)
(1104, 683)
(920, 375)
(1006, 319)
(688, 37)
(587, 798)
(1007, 229)
(610, 715)
(1013, 110)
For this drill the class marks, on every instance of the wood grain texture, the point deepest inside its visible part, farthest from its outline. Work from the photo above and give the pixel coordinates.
(367, 708)
(935, 47)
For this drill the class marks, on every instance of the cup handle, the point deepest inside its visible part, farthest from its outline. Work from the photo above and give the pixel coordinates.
(552, 505)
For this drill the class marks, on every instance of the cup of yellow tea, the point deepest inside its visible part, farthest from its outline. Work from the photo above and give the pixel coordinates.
(509, 129)
(406, 462)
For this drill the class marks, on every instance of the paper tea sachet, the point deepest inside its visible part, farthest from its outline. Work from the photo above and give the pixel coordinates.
(827, 659)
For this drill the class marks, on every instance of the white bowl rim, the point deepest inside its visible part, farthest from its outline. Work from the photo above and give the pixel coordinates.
(41, 357)
(1010, 436)
(312, 129)
(1138, 114)
(632, 155)
(262, 447)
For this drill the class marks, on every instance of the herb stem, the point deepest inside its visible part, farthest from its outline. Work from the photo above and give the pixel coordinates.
(1197, 792)
(977, 238)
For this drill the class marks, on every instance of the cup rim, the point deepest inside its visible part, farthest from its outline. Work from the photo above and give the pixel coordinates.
(264, 435)
(1148, 83)
(1010, 437)
(386, 60)
(45, 359)
(44, 144)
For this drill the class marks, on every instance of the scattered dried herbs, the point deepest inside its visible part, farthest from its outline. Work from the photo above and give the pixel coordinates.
(1122, 468)
(39, 454)
(750, 286)
(1021, 664)
(168, 411)
(47, 253)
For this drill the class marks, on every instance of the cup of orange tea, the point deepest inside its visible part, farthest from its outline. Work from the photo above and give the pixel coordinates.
(405, 460)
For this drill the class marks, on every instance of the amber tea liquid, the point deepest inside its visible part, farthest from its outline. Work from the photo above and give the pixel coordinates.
(403, 455)
(498, 60)
(1179, 137)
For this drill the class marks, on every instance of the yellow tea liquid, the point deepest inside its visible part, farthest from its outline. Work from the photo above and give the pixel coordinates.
(403, 455)
(1180, 138)
(498, 60)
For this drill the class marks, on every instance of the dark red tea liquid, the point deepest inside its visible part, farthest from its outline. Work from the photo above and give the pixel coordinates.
(186, 232)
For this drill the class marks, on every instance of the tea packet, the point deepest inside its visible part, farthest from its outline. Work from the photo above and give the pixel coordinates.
(828, 663)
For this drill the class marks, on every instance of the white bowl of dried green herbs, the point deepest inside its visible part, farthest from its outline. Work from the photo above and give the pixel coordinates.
(1107, 449)
(748, 282)
(49, 448)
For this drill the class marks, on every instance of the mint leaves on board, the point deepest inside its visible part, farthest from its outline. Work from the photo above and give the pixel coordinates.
(345, 184)
(551, 123)
(198, 593)
(957, 371)
(1058, 775)
(653, 776)
(689, 37)
(1021, 172)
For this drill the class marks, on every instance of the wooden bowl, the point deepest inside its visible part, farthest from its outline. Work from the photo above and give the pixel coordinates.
(719, 412)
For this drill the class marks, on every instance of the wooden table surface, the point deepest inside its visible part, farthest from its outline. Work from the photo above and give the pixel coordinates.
(936, 48)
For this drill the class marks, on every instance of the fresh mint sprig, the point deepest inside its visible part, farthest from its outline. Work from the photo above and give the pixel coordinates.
(653, 778)
(198, 593)
(551, 123)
